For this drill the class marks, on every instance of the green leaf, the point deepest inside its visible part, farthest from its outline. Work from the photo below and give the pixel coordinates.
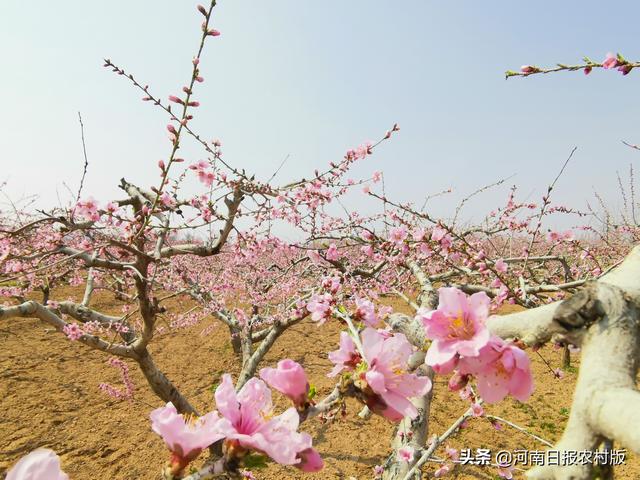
(312, 391)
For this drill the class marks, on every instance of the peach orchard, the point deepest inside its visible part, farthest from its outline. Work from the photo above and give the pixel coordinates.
(218, 248)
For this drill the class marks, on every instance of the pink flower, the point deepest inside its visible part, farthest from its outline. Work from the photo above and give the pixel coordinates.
(405, 454)
(439, 234)
(377, 176)
(206, 177)
(418, 234)
(457, 327)
(314, 256)
(346, 357)
(111, 207)
(331, 283)
(167, 200)
(501, 266)
(452, 453)
(40, 464)
(254, 426)
(477, 410)
(73, 331)
(367, 250)
(553, 236)
(320, 307)
(398, 234)
(366, 235)
(289, 379)
(365, 311)
(88, 209)
(187, 438)
(388, 377)
(466, 393)
(501, 368)
(332, 253)
(442, 471)
(611, 61)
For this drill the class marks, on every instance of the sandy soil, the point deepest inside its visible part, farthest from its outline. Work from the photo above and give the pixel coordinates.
(50, 398)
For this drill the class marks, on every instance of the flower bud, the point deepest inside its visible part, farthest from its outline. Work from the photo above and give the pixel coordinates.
(458, 381)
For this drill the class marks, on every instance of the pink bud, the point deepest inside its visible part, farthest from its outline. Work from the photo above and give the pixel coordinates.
(310, 460)
(199, 79)
(587, 70)
(625, 69)
(196, 61)
(289, 379)
(202, 10)
(213, 32)
(161, 164)
(174, 99)
(611, 61)
(194, 104)
(458, 381)
(172, 129)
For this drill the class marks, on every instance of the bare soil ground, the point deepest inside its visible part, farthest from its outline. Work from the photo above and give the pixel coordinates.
(50, 398)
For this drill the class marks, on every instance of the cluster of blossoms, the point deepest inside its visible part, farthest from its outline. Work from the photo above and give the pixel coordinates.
(245, 422)
(205, 175)
(380, 372)
(88, 209)
(118, 394)
(461, 341)
(73, 331)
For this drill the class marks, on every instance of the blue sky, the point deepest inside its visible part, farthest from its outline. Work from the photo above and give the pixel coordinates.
(311, 79)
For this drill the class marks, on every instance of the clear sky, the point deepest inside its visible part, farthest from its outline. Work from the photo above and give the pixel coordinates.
(311, 79)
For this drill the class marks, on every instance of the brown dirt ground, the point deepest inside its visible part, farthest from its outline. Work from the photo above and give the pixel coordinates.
(50, 398)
